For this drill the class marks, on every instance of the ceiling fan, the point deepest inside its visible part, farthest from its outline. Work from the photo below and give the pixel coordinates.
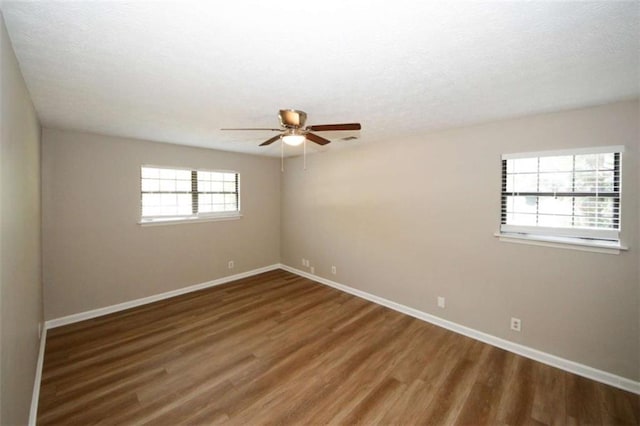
(293, 131)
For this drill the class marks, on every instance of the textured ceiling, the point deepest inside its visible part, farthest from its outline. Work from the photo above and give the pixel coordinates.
(179, 71)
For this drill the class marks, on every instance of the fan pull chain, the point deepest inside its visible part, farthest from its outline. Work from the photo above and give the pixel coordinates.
(304, 154)
(281, 155)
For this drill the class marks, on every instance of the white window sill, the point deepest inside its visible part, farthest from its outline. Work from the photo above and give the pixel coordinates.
(563, 242)
(176, 221)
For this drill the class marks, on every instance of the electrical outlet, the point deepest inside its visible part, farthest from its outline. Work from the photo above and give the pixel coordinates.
(334, 270)
(313, 270)
(304, 262)
(307, 264)
(230, 264)
(516, 324)
(440, 302)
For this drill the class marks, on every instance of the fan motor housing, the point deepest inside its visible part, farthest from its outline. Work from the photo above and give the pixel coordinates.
(292, 118)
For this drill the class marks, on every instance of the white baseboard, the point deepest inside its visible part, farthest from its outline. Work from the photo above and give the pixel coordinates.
(534, 354)
(33, 411)
(70, 319)
(545, 358)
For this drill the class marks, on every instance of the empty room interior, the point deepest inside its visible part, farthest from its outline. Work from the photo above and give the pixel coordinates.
(320, 212)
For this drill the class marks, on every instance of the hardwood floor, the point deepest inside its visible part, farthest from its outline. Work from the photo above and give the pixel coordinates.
(280, 349)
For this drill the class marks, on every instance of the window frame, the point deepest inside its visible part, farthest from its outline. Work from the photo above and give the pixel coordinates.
(196, 215)
(574, 237)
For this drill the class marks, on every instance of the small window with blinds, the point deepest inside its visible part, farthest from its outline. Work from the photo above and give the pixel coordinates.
(571, 194)
(174, 194)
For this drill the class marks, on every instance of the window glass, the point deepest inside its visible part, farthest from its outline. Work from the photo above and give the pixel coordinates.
(573, 195)
(168, 193)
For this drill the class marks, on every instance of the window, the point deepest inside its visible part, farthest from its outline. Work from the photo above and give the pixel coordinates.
(170, 194)
(567, 194)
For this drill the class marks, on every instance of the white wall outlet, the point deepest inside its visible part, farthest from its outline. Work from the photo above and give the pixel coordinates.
(313, 270)
(334, 270)
(516, 324)
(304, 262)
(440, 302)
(230, 264)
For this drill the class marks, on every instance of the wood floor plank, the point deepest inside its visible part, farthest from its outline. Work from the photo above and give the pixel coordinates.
(550, 392)
(455, 387)
(277, 348)
(618, 407)
(479, 407)
(583, 405)
(351, 374)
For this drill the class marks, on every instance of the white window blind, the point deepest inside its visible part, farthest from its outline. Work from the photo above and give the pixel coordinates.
(173, 193)
(563, 193)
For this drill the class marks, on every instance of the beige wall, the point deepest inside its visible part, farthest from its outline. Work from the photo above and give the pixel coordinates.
(94, 252)
(20, 266)
(413, 218)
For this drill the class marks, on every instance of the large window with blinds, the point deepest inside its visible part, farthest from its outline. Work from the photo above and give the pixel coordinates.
(571, 194)
(174, 194)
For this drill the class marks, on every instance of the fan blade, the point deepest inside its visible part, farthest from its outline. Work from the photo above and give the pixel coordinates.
(255, 128)
(330, 127)
(317, 139)
(270, 141)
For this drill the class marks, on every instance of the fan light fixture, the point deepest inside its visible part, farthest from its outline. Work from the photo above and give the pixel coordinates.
(293, 140)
